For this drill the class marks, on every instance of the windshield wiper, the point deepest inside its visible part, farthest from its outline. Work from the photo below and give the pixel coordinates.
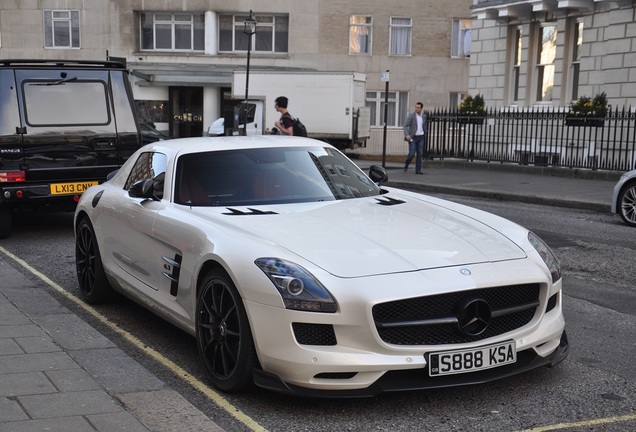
(62, 81)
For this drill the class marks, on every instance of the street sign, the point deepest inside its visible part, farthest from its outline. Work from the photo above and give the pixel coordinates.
(384, 76)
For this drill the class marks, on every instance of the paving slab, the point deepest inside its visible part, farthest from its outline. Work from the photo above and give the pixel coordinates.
(64, 424)
(69, 404)
(18, 384)
(167, 411)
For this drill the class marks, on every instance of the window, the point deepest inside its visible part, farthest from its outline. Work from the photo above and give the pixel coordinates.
(455, 99)
(460, 38)
(576, 59)
(172, 31)
(400, 36)
(516, 62)
(272, 33)
(61, 29)
(149, 166)
(397, 110)
(70, 102)
(546, 55)
(360, 32)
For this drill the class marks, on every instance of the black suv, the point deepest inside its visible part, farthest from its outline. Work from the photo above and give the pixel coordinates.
(64, 125)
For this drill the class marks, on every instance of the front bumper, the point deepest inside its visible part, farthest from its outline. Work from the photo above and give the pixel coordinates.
(418, 379)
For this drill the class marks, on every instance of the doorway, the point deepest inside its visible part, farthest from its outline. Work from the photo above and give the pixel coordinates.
(186, 112)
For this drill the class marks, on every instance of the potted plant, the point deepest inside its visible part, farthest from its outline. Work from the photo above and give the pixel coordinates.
(472, 110)
(587, 111)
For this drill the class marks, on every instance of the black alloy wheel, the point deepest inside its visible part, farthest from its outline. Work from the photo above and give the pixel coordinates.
(627, 204)
(224, 338)
(92, 280)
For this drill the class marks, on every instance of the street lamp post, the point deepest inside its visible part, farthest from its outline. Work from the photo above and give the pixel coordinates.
(249, 30)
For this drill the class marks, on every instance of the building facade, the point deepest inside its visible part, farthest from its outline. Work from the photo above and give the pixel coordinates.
(538, 53)
(182, 54)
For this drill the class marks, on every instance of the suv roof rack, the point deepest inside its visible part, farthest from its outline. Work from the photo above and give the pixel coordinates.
(106, 64)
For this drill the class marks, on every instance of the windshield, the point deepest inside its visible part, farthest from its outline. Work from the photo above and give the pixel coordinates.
(269, 176)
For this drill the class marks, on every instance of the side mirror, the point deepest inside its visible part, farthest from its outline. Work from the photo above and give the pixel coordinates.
(378, 174)
(143, 189)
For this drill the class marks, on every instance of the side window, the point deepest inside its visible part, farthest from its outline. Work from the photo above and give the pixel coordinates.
(61, 29)
(149, 166)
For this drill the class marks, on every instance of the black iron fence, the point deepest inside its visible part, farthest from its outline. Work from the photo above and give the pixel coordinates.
(547, 138)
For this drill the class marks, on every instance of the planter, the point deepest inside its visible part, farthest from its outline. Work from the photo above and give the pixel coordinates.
(471, 120)
(585, 121)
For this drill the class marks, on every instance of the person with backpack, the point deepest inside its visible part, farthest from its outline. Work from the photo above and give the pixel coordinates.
(285, 125)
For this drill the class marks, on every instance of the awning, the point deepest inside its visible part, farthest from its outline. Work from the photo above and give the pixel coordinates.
(180, 75)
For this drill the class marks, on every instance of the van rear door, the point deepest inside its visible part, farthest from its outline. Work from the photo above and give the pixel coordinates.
(67, 124)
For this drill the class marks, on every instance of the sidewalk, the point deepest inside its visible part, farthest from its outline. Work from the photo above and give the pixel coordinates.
(563, 187)
(57, 373)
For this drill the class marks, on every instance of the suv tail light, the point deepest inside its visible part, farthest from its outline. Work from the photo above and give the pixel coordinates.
(12, 176)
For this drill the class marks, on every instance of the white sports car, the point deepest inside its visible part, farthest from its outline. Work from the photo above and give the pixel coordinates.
(296, 271)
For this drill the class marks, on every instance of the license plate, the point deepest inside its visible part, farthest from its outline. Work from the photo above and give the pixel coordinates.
(71, 188)
(471, 360)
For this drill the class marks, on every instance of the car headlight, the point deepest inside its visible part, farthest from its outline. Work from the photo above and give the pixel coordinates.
(547, 255)
(299, 288)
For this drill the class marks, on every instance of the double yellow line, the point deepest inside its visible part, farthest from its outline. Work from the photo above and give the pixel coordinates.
(169, 364)
(585, 423)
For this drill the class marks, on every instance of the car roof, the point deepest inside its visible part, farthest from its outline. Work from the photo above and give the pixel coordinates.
(181, 146)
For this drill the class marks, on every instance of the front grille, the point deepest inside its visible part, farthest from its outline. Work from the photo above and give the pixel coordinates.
(314, 334)
(432, 320)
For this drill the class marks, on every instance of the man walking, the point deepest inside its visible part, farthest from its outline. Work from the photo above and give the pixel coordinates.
(285, 125)
(414, 133)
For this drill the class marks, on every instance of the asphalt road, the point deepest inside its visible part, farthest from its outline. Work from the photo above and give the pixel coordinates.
(593, 389)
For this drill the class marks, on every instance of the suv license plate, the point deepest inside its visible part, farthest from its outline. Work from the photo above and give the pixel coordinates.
(471, 360)
(71, 188)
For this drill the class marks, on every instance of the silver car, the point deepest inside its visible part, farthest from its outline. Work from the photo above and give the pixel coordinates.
(624, 198)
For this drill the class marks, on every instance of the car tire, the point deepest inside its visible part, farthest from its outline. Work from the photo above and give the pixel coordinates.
(627, 204)
(224, 337)
(6, 222)
(93, 283)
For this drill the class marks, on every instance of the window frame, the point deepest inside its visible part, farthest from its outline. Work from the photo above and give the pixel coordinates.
(394, 29)
(575, 60)
(398, 100)
(276, 25)
(460, 29)
(368, 27)
(73, 26)
(455, 99)
(196, 30)
(541, 66)
(515, 57)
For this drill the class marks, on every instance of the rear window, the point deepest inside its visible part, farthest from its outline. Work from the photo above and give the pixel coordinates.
(68, 102)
